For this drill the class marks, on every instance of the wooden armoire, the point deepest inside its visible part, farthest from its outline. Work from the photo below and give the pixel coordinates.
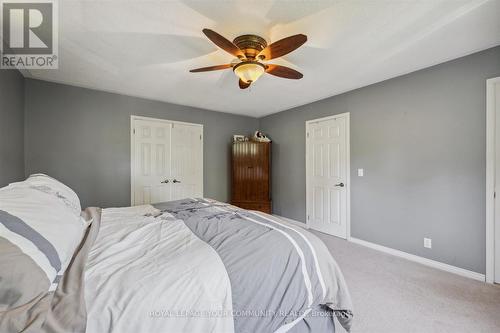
(251, 175)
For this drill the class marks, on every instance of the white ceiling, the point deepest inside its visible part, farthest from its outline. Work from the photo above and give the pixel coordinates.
(145, 48)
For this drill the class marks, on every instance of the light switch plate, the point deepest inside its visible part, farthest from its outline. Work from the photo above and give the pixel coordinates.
(360, 172)
(428, 243)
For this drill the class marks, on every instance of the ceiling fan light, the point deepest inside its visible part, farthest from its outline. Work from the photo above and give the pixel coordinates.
(249, 71)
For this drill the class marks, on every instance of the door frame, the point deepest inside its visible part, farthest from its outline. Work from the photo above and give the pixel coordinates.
(133, 118)
(491, 115)
(347, 117)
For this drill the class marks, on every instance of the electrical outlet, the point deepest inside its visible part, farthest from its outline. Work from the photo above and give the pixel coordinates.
(361, 172)
(428, 243)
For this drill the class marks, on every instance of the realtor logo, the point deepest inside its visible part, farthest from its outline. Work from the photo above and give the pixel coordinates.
(29, 34)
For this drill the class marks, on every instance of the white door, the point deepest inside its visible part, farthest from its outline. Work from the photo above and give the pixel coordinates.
(151, 162)
(327, 174)
(187, 161)
(497, 187)
(167, 160)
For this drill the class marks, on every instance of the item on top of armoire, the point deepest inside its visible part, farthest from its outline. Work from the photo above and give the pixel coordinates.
(251, 175)
(260, 137)
(239, 138)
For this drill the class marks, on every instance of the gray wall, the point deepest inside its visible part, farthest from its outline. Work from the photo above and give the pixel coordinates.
(82, 137)
(11, 126)
(421, 140)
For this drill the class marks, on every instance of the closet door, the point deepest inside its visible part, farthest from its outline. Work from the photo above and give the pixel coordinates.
(167, 160)
(151, 162)
(187, 161)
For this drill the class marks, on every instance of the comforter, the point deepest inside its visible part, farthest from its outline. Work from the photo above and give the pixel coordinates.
(198, 265)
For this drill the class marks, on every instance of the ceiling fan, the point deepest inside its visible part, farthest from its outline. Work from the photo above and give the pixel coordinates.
(251, 50)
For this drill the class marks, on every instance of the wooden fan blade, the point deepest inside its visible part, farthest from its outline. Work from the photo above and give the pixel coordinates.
(282, 47)
(223, 43)
(244, 85)
(284, 72)
(210, 68)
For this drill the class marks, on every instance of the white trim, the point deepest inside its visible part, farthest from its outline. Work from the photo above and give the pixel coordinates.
(133, 118)
(347, 116)
(296, 223)
(421, 260)
(348, 175)
(132, 154)
(490, 178)
(408, 256)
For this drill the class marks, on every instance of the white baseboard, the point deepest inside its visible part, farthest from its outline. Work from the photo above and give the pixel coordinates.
(421, 260)
(297, 223)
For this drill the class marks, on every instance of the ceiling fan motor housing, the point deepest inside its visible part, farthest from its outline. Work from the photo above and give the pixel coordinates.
(251, 45)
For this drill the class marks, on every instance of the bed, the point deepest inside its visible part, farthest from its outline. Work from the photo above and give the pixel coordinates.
(193, 265)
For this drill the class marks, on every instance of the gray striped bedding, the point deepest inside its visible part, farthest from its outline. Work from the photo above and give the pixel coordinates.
(280, 278)
(279, 270)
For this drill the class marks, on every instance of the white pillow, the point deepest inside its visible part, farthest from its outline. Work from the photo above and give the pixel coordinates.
(52, 186)
(41, 225)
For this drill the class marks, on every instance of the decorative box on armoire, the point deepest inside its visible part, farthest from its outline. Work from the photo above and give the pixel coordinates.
(251, 175)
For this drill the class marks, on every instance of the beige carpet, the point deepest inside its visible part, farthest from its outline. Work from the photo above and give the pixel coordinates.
(391, 294)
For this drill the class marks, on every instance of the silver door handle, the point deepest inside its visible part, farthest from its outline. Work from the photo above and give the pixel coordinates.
(166, 181)
(340, 185)
(176, 181)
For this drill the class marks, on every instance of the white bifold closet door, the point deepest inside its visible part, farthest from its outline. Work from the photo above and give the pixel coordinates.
(167, 160)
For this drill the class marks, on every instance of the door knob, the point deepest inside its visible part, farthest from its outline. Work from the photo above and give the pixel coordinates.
(176, 181)
(166, 181)
(340, 184)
